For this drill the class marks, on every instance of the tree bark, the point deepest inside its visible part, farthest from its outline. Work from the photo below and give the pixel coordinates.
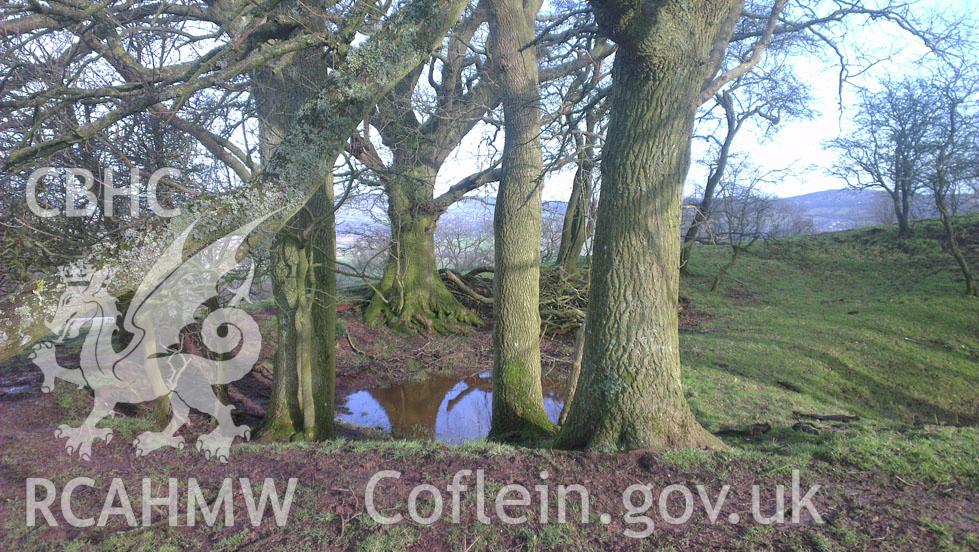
(574, 231)
(953, 245)
(518, 398)
(901, 208)
(410, 293)
(304, 282)
(316, 138)
(631, 395)
(575, 375)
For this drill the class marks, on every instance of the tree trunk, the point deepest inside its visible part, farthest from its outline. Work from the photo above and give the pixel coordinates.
(704, 210)
(518, 398)
(575, 229)
(304, 283)
(411, 294)
(723, 270)
(303, 279)
(901, 208)
(953, 245)
(631, 395)
(575, 375)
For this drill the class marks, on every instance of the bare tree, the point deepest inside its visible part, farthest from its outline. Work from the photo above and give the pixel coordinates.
(297, 170)
(888, 148)
(552, 224)
(419, 125)
(589, 90)
(766, 96)
(464, 244)
(883, 209)
(789, 221)
(743, 214)
(951, 95)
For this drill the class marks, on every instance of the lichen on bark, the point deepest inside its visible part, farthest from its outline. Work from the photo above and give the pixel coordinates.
(321, 130)
(304, 282)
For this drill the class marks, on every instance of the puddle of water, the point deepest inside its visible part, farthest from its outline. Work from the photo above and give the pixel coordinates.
(444, 408)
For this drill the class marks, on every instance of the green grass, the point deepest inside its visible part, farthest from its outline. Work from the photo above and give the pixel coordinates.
(946, 540)
(854, 322)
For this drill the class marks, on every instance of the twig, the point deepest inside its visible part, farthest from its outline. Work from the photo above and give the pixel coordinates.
(825, 418)
(354, 348)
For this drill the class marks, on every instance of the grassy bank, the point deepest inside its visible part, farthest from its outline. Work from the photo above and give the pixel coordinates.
(854, 322)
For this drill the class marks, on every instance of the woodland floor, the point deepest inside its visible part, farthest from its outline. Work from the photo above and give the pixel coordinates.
(846, 323)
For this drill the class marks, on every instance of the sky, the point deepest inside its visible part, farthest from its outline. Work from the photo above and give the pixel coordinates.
(798, 145)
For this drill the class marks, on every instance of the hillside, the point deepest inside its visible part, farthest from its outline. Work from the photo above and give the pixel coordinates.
(834, 210)
(852, 323)
(855, 320)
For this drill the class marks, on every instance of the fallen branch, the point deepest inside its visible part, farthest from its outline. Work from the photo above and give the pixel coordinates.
(753, 430)
(825, 418)
(805, 428)
(479, 270)
(243, 403)
(455, 279)
(354, 348)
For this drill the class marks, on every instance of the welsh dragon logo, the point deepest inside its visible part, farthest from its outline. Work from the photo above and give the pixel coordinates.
(170, 299)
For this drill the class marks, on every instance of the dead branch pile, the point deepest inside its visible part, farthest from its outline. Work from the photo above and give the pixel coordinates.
(563, 301)
(563, 298)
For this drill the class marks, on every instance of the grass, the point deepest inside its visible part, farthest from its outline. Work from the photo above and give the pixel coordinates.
(946, 540)
(855, 322)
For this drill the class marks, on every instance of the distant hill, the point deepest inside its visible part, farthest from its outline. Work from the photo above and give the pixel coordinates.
(834, 210)
(830, 211)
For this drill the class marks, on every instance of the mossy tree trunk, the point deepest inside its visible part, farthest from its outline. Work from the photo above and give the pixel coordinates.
(303, 262)
(459, 91)
(630, 395)
(317, 136)
(411, 294)
(518, 398)
(304, 283)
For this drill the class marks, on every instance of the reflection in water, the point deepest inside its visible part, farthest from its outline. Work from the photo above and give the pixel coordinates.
(445, 408)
